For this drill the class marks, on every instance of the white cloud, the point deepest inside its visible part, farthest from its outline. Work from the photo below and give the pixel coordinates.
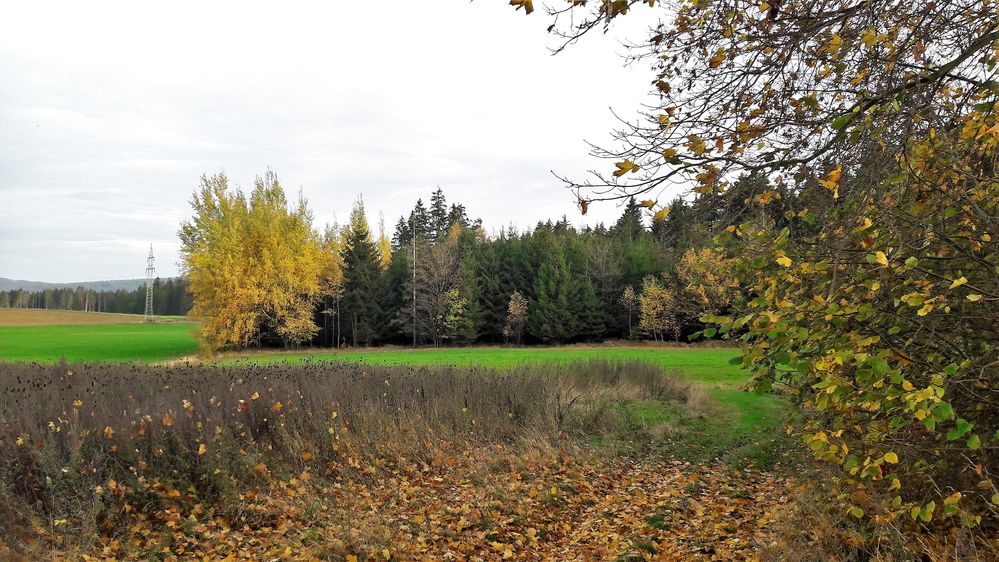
(110, 112)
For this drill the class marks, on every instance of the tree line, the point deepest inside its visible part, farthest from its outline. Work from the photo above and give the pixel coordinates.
(262, 275)
(170, 297)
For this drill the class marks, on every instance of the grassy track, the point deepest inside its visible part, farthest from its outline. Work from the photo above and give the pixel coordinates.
(97, 342)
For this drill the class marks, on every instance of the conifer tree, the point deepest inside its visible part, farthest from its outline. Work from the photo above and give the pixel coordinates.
(439, 224)
(629, 226)
(550, 319)
(361, 280)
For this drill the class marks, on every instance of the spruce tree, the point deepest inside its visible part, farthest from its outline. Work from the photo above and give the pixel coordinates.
(630, 226)
(362, 314)
(584, 308)
(439, 224)
(403, 234)
(550, 319)
(419, 220)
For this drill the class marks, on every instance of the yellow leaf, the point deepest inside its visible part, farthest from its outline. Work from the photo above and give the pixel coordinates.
(784, 261)
(864, 225)
(834, 175)
(625, 167)
(958, 282)
(927, 308)
(661, 214)
(715, 61)
(891, 458)
(975, 297)
(108, 432)
(528, 6)
(202, 449)
(764, 7)
(870, 37)
(953, 498)
(835, 43)
(881, 258)
(907, 386)
(648, 204)
(696, 145)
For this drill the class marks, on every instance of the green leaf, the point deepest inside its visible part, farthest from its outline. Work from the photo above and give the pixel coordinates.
(962, 427)
(841, 121)
(974, 442)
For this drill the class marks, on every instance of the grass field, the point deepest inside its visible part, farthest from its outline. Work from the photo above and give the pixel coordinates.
(44, 317)
(97, 342)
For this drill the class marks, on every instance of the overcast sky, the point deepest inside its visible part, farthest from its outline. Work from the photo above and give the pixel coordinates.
(111, 111)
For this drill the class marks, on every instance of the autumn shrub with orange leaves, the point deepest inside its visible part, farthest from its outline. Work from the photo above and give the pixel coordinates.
(88, 450)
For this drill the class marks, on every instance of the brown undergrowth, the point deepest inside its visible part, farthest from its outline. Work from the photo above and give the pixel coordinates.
(91, 452)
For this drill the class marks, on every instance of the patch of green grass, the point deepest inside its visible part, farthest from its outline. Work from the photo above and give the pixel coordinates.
(707, 365)
(98, 342)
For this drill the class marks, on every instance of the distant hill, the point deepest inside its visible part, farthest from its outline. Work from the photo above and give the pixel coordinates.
(111, 285)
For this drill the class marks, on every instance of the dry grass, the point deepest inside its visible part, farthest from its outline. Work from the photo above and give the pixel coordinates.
(67, 430)
(44, 317)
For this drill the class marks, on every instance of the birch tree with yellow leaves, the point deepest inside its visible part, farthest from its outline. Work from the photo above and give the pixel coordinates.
(254, 264)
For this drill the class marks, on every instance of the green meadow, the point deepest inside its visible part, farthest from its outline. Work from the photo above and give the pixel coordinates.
(98, 342)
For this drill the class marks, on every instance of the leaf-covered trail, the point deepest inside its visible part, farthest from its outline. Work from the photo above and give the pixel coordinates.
(490, 505)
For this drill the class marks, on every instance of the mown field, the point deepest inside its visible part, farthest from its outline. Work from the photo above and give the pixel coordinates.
(52, 335)
(47, 317)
